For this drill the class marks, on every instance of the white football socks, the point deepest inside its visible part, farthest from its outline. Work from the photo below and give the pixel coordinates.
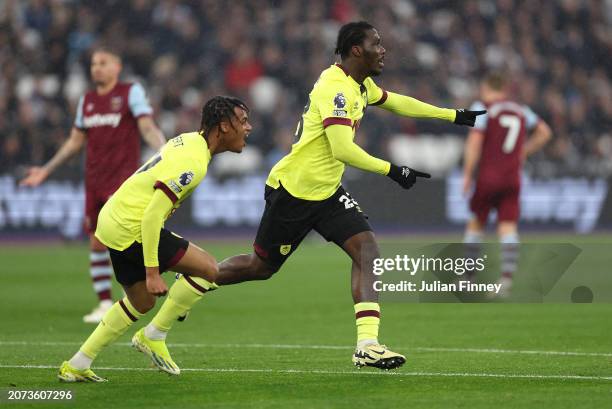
(154, 333)
(80, 361)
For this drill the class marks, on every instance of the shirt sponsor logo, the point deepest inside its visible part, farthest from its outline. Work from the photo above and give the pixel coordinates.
(93, 121)
(186, 178)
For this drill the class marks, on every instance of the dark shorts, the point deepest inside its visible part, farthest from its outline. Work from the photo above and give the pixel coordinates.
(129, 264)
(94, 200)
(505, 199)
(287, 220)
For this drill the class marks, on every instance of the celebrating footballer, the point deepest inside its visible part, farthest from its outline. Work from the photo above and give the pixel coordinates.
(304, 192)
(131, 226)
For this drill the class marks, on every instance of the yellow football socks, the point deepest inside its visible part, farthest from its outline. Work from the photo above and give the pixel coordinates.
(183, 294)
(367, 315)
(115, 322)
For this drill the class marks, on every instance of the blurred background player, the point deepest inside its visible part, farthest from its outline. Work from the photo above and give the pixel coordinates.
(304, 191)
(109, 120)
(494, 153)
(131, 226)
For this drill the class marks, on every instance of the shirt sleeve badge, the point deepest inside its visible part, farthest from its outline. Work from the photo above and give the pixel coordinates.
(186, 178)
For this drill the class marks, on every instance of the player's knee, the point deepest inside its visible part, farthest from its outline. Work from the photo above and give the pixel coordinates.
(144, 304)
(474, 226)
(95, 244)
(363, 249)
(212, 270)
(207, 269)
(265, 273)
(260, 269)
(507, 230)
(366, 252)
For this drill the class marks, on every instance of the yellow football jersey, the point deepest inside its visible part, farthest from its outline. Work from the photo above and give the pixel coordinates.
(310, 171)
(177, 170)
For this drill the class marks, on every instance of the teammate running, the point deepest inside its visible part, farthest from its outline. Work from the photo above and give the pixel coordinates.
(303, 191)
(109, 120)
(131, 226)
(497, 146)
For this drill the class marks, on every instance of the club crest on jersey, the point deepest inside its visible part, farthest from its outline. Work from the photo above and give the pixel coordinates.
(186, 178)
(285, 249)
(89, 107)
(116, 103)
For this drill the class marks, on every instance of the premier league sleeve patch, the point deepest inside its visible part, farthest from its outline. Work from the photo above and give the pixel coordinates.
(339, 100)
(340, 105)
(186, 178)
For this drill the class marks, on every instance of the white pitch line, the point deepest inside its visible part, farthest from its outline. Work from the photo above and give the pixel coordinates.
(352, 373)
(331, 347)
(512, 351)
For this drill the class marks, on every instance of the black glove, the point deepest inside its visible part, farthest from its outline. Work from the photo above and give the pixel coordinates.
(466, 117)
(405, 176)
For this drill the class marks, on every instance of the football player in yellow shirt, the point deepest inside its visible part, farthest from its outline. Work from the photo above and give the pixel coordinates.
(303, 190)
(131, 226)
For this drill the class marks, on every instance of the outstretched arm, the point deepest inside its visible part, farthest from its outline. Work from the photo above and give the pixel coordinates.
(412, 107)
(343, 148)
(37, 174)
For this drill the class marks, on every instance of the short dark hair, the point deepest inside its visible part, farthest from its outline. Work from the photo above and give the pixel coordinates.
(107, 49)
(218, 109)
(497, 80)
(351, 34)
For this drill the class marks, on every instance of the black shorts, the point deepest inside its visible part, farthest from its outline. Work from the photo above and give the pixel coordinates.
(287, 220)
(129, 264)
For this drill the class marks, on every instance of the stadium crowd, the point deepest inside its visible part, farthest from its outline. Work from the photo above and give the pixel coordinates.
(271, 51)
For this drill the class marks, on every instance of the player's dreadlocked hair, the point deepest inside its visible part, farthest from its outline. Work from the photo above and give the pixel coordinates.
(351, 34)
(218, 109)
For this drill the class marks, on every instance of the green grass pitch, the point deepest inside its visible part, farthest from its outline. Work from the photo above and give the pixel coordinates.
(287, 343)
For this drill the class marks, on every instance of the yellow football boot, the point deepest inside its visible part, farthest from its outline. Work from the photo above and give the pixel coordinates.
(378, 356)
(157, 351)
(68, 373)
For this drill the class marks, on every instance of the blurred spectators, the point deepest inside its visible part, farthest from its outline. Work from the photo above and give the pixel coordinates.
(271, 52)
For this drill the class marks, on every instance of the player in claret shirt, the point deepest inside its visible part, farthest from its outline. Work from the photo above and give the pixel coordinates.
(497, 146)
(131, 226)
(303, 190)
(109, 120)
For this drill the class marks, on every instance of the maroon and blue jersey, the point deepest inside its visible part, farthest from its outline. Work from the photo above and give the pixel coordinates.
(505, 128)
(113, 139)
